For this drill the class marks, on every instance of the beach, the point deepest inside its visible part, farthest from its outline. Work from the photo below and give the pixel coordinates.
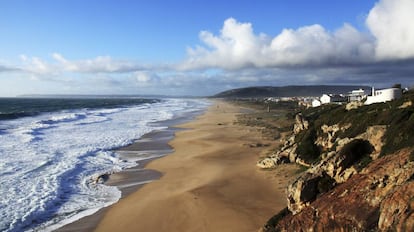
(209, 183)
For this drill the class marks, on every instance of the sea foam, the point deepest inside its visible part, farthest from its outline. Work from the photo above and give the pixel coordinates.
(49, 163)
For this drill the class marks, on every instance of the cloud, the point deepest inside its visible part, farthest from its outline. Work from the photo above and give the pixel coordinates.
(6, 68)
(145, 78)
(315, 46)
(391, 22)
(236, 41)
(59, 65)
(100, 64)
(237, 46)
(237, 56)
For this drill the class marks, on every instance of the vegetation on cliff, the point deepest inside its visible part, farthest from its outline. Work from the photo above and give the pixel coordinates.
(359, 160)
(398, 118)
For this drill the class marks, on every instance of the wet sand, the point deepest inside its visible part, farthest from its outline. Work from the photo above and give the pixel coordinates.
(151, 146)
(209, 183)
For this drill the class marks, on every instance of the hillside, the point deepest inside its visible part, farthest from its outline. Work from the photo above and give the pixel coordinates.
(360, 169)
(288, 91)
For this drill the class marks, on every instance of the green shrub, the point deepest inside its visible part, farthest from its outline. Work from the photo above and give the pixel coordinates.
(411, 157)
(400, 133)
(363, 162)
(272, 222)
(326, 183)
(355, 151)
(400, 123)
(307, 150)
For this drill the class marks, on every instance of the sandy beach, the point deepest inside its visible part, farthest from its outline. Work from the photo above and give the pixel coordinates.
(209, 183)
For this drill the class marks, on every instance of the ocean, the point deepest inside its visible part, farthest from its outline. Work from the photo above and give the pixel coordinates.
(53, 150)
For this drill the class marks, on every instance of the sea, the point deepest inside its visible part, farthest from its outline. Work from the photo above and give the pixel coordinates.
(53, 150)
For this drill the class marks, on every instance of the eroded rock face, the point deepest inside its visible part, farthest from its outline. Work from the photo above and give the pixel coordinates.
(328, 141)
(406, 104)
(396, 211)
(374, 135)
(333, 169)
(381, 198)
(303, 191)
(353, 105)
(272, 162)
(300, 124)
(286, 154)
(333, 165)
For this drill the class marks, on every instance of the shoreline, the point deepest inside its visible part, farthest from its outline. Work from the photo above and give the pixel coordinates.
(149, 147)
(131, 179)
(209, 183)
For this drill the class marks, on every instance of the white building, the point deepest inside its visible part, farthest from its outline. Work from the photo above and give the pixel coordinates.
(316, 103)
(383, 95)
(332, 98)
(357, 95)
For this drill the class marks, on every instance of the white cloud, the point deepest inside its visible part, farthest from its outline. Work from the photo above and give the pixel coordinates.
(145, 78)
(238, 56)
(238, 47)
(236, 41)
(313, 45)
(391, 22)
(37, 66)
(7, 68)
(100, 64)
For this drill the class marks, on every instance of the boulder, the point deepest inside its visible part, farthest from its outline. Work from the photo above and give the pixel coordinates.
(272, 161)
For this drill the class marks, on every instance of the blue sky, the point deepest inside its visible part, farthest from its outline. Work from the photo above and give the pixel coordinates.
(200, 47)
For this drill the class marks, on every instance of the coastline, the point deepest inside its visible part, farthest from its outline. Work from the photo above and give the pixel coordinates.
(209, 183)
(154, 145)
(149, 147)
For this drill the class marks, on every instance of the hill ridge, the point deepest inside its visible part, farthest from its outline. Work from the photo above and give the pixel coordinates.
(288, 91)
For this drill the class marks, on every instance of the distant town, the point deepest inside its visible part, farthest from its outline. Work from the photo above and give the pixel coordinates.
(356, 97)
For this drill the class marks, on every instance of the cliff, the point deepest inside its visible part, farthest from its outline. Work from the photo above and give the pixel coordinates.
(360, 169)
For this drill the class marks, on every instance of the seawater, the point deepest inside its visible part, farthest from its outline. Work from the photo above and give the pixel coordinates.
(53, 150)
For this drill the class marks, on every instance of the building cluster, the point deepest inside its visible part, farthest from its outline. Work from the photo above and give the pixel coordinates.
(359, 95)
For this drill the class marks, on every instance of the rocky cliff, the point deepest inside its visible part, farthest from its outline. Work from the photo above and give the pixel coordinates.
(360, 174)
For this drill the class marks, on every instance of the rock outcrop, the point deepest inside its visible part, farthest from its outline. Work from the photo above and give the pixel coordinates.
(380, 198)
(335, 168)
(288, 151)
(300, 124)
(361, 174)
(330, 135)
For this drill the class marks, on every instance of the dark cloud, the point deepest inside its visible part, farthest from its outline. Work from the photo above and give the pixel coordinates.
(4, 68)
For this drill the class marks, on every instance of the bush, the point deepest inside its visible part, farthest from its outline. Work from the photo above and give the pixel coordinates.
(400, 122)
(355, 151)
(272, 222)
(307, 150)
(411, 157)
(363, 162)
(326, 183)
(400, 133)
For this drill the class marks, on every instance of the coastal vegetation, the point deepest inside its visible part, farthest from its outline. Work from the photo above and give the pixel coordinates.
(399, 121)
(359, 165)
(355, 162)
(273, 118)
